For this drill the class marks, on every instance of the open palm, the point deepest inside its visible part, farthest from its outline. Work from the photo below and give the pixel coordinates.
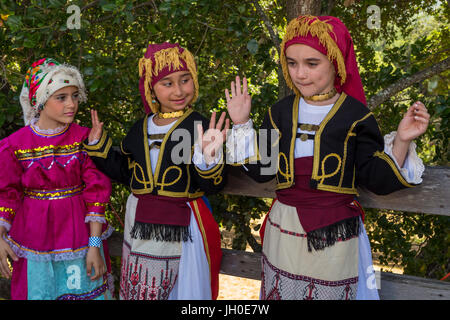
(97, 127)
(212, 139)
(240, 102)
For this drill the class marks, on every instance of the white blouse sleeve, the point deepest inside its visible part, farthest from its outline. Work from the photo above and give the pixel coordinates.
(413, 167)
(240, 144)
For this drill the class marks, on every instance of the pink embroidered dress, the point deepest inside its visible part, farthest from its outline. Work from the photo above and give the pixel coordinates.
(49, 192)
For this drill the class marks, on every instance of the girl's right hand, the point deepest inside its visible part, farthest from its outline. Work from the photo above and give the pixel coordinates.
(5, 251)
(240, 102)
(97, 127)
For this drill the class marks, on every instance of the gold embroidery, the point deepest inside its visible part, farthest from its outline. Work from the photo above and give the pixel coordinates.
(275, 127)
(156, 136)
(142, 180)
(289, 174)
(9, 210)
(349, 134)
(209, 172)
(290, 164)
(316, 157)
(97, 204)
(281, 155)
(93, 150)
(329, 175)
(103, 154)
(53, 194)
(163, 182)
(216, 175)
(394, 168)
(123, 151)
(99, 144)
(180, 194)
(337, 189)
(147, 159)
(130, 163)
(40, 152)
(163, 143)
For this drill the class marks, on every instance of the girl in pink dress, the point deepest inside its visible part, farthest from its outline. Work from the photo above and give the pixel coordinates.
(52, 197)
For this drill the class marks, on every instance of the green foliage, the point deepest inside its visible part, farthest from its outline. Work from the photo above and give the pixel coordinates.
(420, 243)
(237, 212)
(414, 35)
(228, 38)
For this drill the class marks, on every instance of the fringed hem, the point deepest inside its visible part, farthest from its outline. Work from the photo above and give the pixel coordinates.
(327, 236)
(160, 232)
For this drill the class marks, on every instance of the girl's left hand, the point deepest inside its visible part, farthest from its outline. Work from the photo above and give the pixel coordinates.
(94, 260)
(212, 140)
(414, 122)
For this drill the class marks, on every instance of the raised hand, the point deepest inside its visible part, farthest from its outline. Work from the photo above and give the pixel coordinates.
(240, 102)
(414, 123)
(212, 140)
(97, 127)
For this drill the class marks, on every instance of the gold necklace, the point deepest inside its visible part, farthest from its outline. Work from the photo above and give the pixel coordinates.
(322, 96)
(169, 115)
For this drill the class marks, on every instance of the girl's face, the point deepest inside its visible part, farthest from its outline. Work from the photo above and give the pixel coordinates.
(310, 70)
(60, 109)
(175, 91)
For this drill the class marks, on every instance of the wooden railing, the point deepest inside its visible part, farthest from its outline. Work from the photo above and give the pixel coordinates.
(431, 197)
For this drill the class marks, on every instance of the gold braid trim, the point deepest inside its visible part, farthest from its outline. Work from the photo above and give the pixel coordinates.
(169, 57)
(319, 29)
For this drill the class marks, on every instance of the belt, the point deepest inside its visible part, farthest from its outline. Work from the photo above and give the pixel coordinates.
(53, 194)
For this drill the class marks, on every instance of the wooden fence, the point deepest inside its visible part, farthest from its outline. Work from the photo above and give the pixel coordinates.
(431, 197)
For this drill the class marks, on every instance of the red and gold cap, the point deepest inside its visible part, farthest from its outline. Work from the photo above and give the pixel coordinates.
(329, 36)
(160, 60)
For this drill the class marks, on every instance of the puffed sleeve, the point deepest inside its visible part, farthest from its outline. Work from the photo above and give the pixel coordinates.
(97, 192)
(10, 184)
(244, 147)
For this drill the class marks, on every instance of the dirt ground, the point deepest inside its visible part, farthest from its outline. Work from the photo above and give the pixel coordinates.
(235, 288)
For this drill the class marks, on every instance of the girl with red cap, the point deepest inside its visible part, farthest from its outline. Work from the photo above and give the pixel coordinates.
(171, 247)
(326, 144)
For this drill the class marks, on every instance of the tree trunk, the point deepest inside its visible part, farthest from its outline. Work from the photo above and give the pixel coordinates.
(294, 8)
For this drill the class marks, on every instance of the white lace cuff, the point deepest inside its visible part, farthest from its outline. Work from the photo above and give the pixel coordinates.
(413, 167)
(94, 217)
(6, 225)
(240, 144)
(93, 142)
(199, 160)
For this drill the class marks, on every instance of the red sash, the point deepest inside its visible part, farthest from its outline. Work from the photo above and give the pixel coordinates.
(316, 208)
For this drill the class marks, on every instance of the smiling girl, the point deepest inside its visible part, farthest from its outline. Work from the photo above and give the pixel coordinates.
(52, 197)
(171, 247)
(314, 242)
